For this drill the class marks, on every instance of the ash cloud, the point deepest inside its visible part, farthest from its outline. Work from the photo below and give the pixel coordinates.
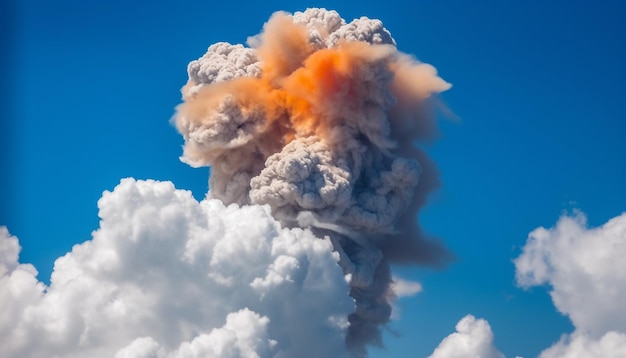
(318, 120)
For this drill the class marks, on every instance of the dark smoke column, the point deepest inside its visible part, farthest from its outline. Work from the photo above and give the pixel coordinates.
(318, 119)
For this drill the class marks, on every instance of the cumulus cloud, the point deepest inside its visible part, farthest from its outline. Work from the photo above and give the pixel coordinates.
(581, 345)
(168, 276)
(473, 339)
(244, 335)
(585, 269)
(9, 251)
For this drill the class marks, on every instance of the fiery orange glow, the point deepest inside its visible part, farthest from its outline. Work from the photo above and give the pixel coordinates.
(302, 90)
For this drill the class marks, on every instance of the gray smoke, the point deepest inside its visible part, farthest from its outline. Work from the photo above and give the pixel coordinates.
(318, 120)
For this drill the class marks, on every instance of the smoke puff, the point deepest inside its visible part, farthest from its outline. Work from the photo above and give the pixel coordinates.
(223, 62)
(167, 276)
(363, 29)
(318, 120)
(319, 24)
(303, 176)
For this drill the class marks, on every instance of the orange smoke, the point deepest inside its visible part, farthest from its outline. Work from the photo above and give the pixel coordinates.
(329, 82)
(304, 90)
(284, 46)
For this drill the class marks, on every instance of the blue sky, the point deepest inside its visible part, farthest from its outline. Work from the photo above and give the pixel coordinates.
(537, 88)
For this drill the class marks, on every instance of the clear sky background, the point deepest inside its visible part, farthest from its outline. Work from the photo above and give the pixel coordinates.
(538, 89)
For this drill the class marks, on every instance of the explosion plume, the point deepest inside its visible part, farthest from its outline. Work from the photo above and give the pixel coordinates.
(318, 119)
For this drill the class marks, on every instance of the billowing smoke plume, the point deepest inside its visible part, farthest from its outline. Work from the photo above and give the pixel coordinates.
(318, 119)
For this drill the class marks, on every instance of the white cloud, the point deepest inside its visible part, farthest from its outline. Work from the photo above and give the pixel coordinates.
(19, 289)
(9, 251)
(587, 272)
(243, 336)
(404, 288)
(579, 345)
(144, 347)
(167, 276)
(473, 339)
